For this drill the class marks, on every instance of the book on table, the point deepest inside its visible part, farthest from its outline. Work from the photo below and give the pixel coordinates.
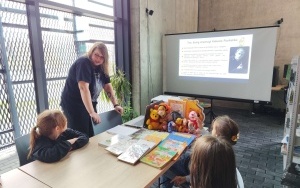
(113, 140)
(122, 129)
(120, 147)
(134, 152)
(175, 143)
(182, 137)
(159, 157)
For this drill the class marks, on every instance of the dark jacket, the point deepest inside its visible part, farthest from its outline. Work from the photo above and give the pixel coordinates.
(47, 150)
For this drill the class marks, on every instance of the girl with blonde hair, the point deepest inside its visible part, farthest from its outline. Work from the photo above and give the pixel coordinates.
(50, 140)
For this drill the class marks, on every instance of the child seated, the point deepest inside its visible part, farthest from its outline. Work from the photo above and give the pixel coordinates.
(213, 163)
(50, 140)
(179, 173)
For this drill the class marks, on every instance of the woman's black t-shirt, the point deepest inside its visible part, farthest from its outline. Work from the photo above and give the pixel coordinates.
(83, 70)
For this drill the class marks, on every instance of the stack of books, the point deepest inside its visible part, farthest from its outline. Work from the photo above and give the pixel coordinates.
(169, 149)
(150, 147)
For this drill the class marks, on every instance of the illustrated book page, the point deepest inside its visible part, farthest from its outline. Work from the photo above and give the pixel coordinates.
(159, 157)
(182, 137)
(177, 106)
(174, 145)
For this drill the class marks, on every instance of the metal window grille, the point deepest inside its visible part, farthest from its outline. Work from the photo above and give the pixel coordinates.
(62, 44)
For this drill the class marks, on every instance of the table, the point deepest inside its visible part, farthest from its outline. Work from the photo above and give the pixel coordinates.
(17, 178)
(93, 166)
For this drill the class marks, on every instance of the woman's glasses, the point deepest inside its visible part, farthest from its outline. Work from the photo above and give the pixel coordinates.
(101, 57)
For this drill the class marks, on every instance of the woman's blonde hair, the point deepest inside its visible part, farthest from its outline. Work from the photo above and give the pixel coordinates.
(212, 163)
(103, 48)
(227, 128)
(47, 121)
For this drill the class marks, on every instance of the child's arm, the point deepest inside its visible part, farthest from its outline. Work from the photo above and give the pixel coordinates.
(49, 151)
(81, 140)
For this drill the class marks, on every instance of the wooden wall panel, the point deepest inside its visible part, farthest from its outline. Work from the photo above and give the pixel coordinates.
(186, 16)
(234, 14)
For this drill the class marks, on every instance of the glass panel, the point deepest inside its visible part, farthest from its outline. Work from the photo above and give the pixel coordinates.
(101, 6)
(65, 38)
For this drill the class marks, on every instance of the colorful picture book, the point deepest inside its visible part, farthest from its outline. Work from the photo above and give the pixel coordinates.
(174, 145)
(158, 157)
(113, 140)
(177, 106)
(182, 137)
(153, 138)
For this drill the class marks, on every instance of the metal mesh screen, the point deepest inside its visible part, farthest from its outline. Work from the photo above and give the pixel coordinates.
(6, 129)
(62, 47)
(63, 42)
(16, 41)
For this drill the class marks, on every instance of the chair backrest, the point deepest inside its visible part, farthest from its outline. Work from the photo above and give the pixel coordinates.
(239, 179)
(22, 145)
(109, 119)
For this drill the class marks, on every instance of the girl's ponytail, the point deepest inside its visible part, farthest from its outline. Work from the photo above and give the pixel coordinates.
(33, 136)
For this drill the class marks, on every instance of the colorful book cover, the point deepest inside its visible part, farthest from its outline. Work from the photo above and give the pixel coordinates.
(182, 137)
(177, 106)
(159, 157)
(161, 135)
(153, 138)
(174, 145)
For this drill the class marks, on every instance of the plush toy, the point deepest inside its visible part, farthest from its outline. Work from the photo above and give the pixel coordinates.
(182, 125)
(172, 126)
(153, 121)
(194, 123)
(163, 110)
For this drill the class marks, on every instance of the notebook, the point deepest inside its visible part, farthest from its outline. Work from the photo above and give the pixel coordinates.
(137, 122)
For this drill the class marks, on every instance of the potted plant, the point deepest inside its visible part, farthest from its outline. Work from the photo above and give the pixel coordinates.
(122, 89)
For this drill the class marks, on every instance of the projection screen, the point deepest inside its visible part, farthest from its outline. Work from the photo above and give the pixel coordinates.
(231, 64)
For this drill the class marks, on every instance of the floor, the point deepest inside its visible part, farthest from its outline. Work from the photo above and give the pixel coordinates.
(258, 155)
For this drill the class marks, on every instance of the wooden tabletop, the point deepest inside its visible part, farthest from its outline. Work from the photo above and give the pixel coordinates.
(17, 178)
(93, 166)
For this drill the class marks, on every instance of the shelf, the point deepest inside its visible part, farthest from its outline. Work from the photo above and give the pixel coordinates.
(296, 159)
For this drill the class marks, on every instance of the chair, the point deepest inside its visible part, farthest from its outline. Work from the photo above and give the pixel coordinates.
(22, 145)
(239, 179)
(109, 119)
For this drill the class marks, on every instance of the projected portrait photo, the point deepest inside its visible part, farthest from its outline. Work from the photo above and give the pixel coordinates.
(238, 62)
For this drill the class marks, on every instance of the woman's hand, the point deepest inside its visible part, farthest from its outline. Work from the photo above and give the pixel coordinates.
(95, 117)
(119, 109)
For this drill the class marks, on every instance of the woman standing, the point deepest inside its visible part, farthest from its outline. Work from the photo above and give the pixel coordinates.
(87, 77)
